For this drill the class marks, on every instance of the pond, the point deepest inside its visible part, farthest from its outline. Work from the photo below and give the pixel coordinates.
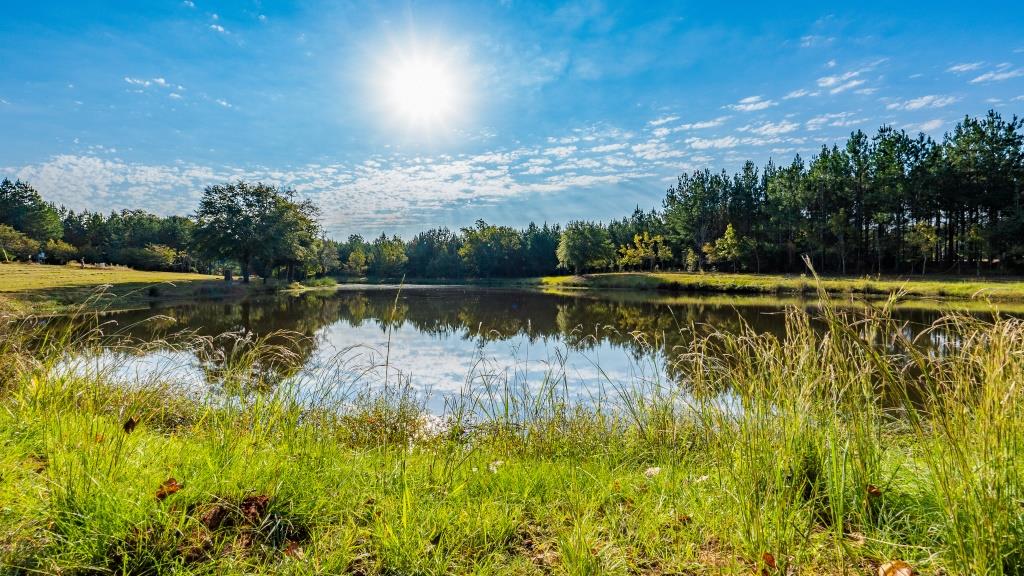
(443, 339)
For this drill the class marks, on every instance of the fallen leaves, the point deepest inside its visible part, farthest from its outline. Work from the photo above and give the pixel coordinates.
(874, 491)
(294, 551)
(769, 560)
(168, 487)
(253, 508)
(896, 568)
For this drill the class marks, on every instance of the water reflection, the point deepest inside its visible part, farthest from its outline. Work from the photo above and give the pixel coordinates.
(440, 337)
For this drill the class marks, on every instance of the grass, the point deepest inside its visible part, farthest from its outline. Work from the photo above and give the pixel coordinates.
(952, 287)
(828, 450)
(50, 289)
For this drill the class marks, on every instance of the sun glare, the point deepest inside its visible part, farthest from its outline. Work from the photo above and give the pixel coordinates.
(422, 90)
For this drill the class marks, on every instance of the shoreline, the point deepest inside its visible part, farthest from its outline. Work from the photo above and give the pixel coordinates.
(53, 290)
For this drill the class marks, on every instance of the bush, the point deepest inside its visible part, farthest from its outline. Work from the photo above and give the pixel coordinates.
(152, 257)
(16, 246)
(320, 282)
(60, 252)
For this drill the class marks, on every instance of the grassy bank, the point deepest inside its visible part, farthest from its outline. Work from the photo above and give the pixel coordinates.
(999, 290)
(815, 452)
(46, 289)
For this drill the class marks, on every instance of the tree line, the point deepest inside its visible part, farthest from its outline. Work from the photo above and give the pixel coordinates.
(888, 203)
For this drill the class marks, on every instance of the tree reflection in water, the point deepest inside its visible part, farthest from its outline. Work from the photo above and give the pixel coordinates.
(281, 336)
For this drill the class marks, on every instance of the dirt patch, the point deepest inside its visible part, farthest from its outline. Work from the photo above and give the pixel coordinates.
(249, 527)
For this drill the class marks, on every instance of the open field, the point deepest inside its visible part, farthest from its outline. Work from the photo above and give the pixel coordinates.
(994, 289)
(809, 453)
(46, 289)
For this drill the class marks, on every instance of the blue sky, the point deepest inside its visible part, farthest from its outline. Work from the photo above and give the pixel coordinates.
(553, 111)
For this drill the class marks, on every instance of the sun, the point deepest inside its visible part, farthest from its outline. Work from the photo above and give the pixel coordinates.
(422, 90)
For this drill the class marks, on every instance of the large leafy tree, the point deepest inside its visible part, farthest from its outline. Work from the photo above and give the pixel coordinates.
(387, 257)
(585, 246)
(489, 250)
(254, 225)
(16, 246)
(23, 209)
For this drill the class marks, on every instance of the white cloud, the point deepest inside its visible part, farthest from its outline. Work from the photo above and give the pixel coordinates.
(663, 120)
(846, 86)
(709, 143)
(713, 123)
(1002, 72)
(655, 150)
(773, 128)
(189, 3)
(965, 67)
(160, 81)
(836, 119)
(223, 103)
(218, 28)
(829, 81)
(381, 191)
(174, 96)
(608, 147)
(929, 126)
(561, 151)
(802, 92)
(838, 83)
(929, 101)
(752, 103)
(812, 40)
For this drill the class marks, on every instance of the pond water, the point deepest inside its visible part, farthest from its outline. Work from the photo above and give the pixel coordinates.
(442, 339)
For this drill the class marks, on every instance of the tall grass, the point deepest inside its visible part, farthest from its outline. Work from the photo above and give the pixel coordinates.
(831, 449)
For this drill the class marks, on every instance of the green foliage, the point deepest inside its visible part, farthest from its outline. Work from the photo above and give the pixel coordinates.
(729, 249)
(860, 208)
(256, 225)
(60, 252)
(888, 203)
(488, 250)
(16, 246)
(585, 246)
(23, 209)
(815, 450)
(692, 261)
(434, 254)
(645, 251)
(387, 257)
(356, 262)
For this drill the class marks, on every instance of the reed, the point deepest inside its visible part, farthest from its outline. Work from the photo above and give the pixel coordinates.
(831, 449)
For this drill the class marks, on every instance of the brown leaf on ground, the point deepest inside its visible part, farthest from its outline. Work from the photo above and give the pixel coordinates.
(253, 508)
(215, 517)
(874, 491)
(769, 560)
(294, 551)
(169, 486)
(130, 424)
(896, 568)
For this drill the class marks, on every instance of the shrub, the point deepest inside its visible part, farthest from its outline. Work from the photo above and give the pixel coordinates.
(60, 252)
(16, 246)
